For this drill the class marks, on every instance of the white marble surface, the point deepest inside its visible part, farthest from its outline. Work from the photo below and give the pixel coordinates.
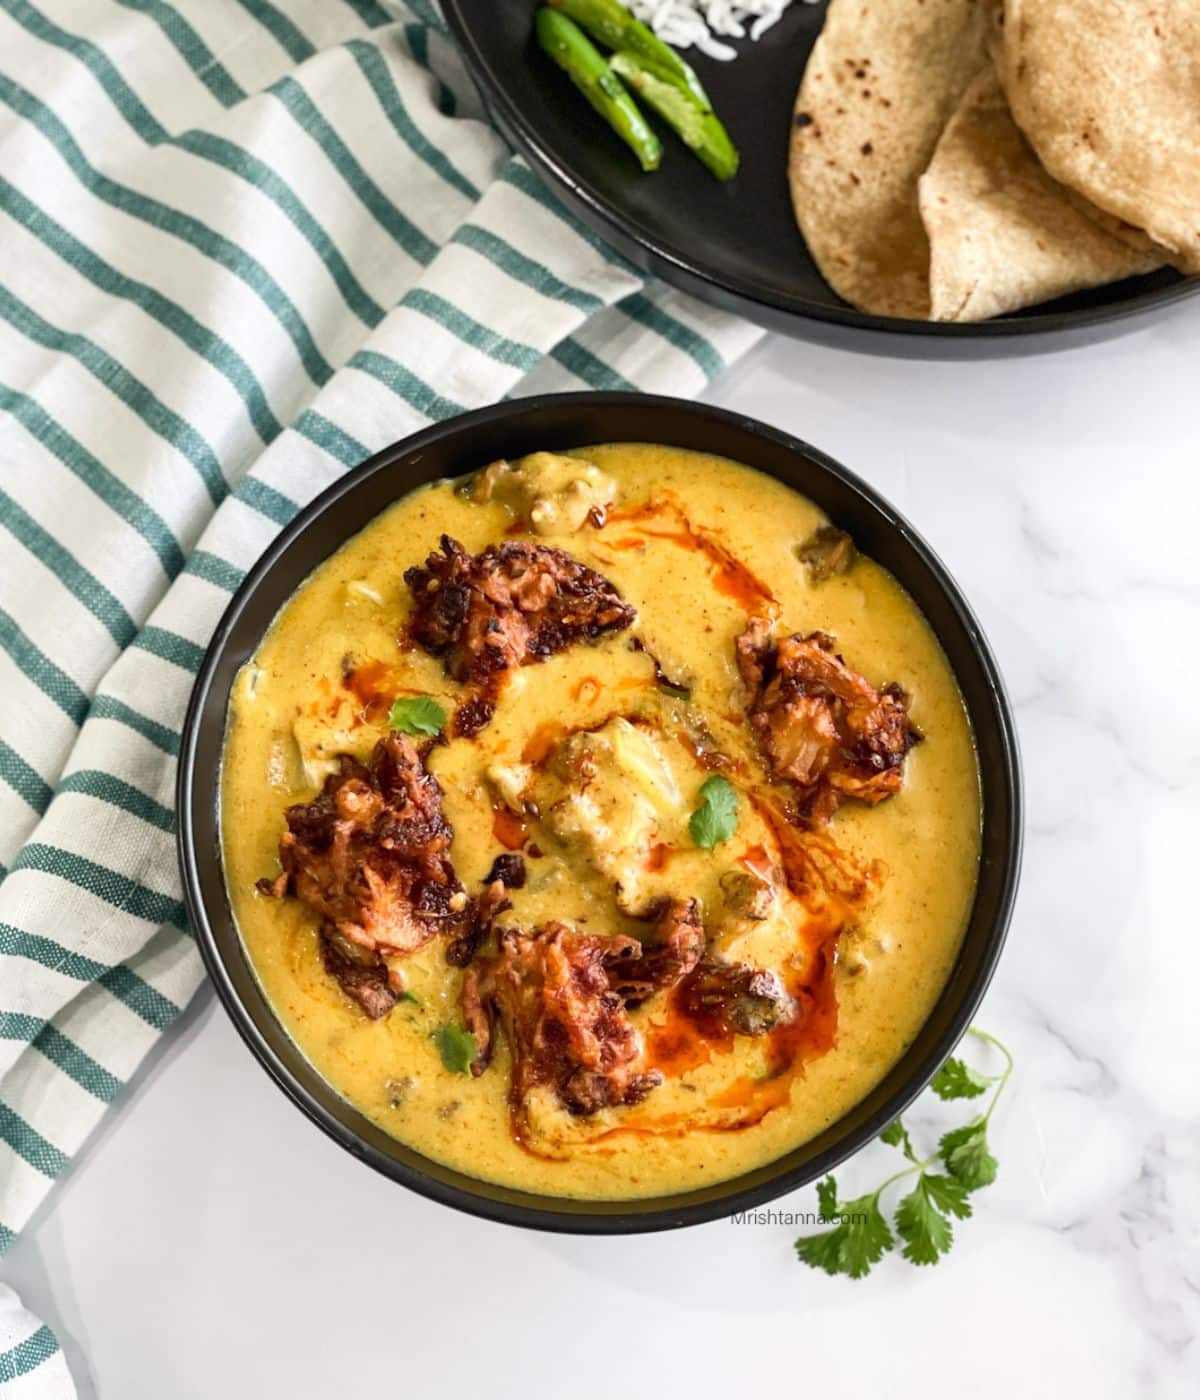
(210, 1243)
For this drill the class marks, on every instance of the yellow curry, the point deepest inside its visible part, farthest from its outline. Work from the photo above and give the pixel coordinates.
(657, 835)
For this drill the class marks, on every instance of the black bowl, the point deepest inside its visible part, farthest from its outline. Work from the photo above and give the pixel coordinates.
(560, 422)
(737, 245)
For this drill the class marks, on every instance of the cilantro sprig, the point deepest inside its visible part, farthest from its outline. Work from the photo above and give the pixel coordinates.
(417, 714)
(716, 818)
(922, 1220)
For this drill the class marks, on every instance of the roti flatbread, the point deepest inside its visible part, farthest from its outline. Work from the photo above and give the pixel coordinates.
(883, 80)
(1002, 233)
(1108, 95)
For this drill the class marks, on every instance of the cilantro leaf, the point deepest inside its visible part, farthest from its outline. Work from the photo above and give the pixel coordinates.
(827, 1198)
(966, 1155)
(947, 1194)
(716, 819)
(456, 1047)
(417, 714)
(822, 1250)
(860, 1240)
(896, 1135)
(957, 1080)
(926, 1232)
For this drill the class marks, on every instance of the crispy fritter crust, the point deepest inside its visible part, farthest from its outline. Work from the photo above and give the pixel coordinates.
(820, 725)
(370, 855)
(512, 605)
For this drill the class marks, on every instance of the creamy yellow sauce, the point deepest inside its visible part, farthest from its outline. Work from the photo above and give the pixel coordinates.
(291, 712)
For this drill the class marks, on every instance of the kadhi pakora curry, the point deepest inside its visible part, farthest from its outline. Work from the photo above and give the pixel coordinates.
(603, 825)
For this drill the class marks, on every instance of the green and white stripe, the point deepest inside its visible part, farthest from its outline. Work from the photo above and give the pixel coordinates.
(31, 1365)
(245, 245)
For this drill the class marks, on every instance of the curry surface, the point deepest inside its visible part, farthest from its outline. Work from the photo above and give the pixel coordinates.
(917, 852)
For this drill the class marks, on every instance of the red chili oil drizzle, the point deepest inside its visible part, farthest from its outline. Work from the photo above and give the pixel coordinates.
(587, 690)
(829, 880)
(660, 856)
(543, 741)
(679, 1043)
(511, 830)
(757, 861)
(731, 577)
(373, 684)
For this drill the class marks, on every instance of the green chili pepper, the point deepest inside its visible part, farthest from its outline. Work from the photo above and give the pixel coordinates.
(615, 27)
(700, 130)
(583, 63)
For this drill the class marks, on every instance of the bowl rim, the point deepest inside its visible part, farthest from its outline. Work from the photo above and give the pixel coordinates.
(571, 1215)
(776, 310)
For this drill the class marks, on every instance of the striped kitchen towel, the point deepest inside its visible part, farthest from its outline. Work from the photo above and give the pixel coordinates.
(245, 244)
(32, 1366)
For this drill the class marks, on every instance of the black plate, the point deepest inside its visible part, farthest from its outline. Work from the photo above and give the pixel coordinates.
(561, 422)
(737, 245)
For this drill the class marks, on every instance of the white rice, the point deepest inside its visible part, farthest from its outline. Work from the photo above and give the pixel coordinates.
(687, 22)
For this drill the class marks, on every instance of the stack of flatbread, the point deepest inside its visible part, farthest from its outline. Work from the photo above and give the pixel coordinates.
(953, 160)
